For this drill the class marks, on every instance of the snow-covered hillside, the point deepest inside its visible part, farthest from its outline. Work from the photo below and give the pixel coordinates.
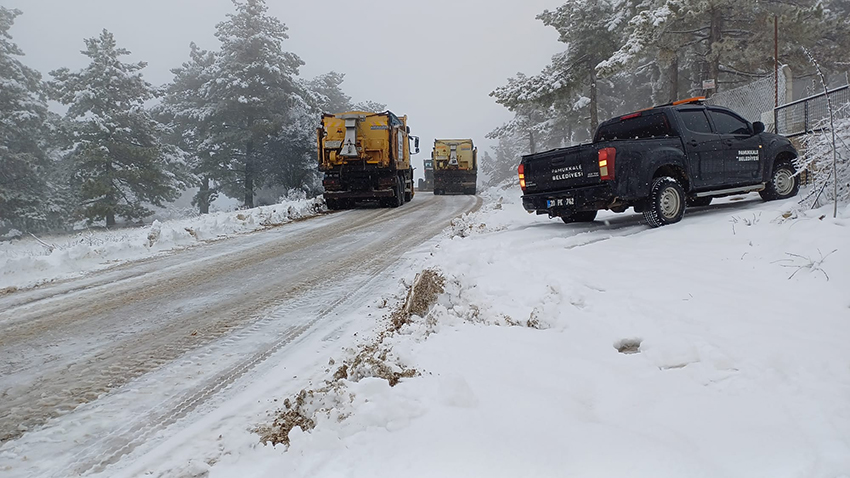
(713, 347)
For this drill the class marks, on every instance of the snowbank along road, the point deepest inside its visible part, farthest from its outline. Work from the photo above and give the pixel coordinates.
(232, 302)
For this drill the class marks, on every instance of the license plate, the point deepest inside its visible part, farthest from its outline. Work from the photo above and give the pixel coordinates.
(560, 202)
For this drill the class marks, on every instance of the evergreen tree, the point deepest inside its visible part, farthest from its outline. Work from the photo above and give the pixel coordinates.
(562, 104)
(119, 162)
(503, 166)
(730, 41)
(252, 99)
(289, 156)
(331, 97)
(185, 108)
(370, 106)
(23, 111)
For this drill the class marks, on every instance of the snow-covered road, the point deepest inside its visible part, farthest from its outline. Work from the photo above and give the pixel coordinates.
(712, 347)
(145, 343)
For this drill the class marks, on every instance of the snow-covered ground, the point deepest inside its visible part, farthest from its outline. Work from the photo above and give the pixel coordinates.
(715, 347)
(32, 260)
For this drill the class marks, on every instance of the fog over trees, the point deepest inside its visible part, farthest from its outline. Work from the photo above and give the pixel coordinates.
(623, 55)
(239, 119)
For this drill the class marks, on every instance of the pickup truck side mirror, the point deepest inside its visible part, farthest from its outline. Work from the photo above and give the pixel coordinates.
(758, 127)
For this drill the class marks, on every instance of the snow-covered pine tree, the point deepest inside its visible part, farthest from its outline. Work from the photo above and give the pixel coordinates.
(23, 161)
(119, 162)
(589, 30)
(567, 97)
(186, 109)
(730, 41)
(328, 88)
(502, 164)
(289, 156)
(370, 106)
(253, 98)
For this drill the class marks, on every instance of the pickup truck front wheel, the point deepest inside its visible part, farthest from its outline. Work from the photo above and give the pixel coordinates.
(666, 202)
(783, 184)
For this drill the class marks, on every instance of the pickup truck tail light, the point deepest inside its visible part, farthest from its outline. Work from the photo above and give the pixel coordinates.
(607, 156)
(521, 171)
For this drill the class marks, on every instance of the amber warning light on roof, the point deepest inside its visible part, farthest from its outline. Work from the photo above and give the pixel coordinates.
(689, 100)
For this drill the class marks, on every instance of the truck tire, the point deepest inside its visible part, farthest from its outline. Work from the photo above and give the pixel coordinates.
(580, 216)
(398, 193)
(666, 202)
(332, 204)
(699, 201)
(408, 195)
(783, 184)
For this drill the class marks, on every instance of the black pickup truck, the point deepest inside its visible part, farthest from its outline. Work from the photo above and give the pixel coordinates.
(659, 161)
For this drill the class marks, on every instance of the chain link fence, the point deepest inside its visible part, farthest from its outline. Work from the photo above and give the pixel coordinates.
(754, 101)
(809, 114)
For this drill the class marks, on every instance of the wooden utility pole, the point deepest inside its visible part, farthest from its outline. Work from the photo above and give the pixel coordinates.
(776, 61)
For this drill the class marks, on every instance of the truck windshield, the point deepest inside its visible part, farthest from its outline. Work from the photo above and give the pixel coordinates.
(644, 126)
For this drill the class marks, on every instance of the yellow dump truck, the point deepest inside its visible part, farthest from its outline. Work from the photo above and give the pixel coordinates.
(455, 166)
(366, 156)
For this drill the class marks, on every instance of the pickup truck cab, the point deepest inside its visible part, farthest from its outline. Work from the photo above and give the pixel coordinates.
(659, 161)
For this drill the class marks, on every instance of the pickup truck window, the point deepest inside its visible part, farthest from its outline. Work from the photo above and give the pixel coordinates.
(695, 121)
(644, 126)
(728, 124)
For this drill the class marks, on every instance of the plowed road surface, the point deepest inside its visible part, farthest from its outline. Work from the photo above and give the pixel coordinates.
(228, 305)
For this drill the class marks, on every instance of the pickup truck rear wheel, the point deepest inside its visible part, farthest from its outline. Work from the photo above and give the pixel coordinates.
(580, 216)
(666, 203)
(783, 184)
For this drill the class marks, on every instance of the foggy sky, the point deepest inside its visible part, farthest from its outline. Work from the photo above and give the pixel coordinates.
(435, 61)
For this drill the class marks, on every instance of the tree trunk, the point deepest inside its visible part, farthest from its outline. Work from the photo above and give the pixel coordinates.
(204, 196)
(594, 104)
(249, 174)
(673, 78)
(110, 197)
(715, 36)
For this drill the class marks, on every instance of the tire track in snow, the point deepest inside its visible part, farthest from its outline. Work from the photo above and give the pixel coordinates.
(420, 221)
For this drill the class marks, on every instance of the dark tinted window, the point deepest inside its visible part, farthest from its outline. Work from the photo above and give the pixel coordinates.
(695, 121)
(728, 124)
(644, 126)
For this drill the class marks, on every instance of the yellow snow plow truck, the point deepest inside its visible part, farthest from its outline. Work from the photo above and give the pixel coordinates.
(455, 166)
(366, 156)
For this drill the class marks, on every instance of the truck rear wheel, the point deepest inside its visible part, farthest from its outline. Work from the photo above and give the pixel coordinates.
(580, 216)
(784, 182)
(397, 198)
(408, 195)
(666, 203)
